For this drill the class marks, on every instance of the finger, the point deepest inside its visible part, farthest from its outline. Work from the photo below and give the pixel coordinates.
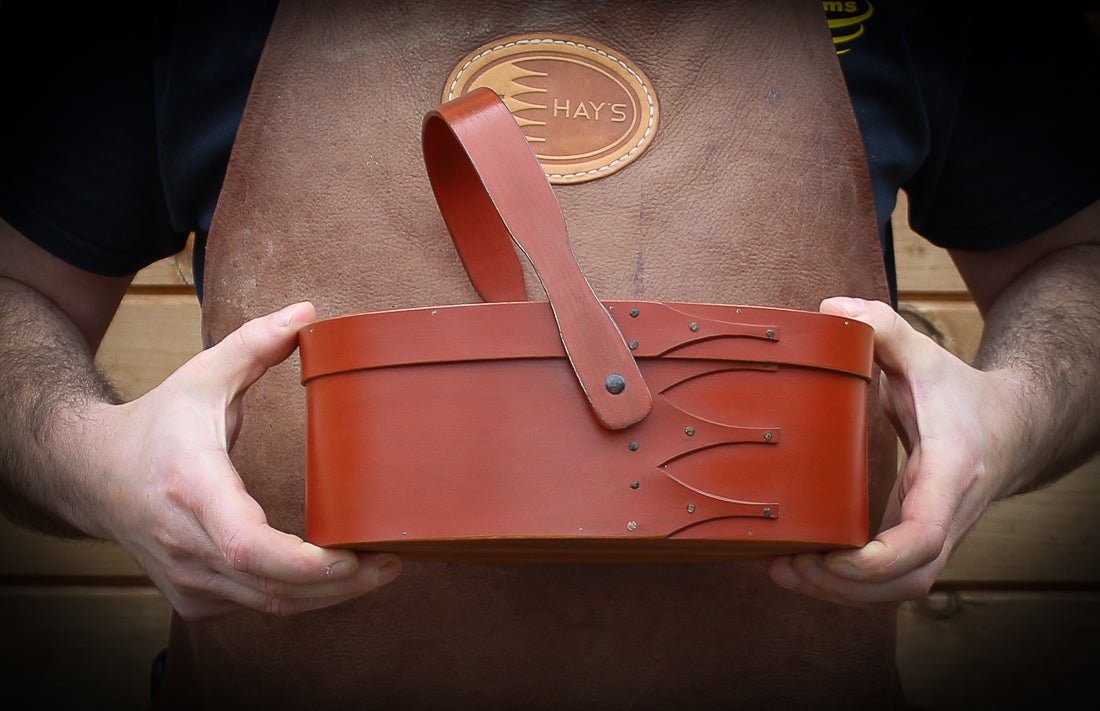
(897, 345)
(918, 539)
(249, 545)
(807, 575)
(895, 353)
(239, 359)
(901, 563)
(240, 533)
(264, 598)
(375, 570)
(190, 602)
(797, 576)
(910, 545)
(898, 551)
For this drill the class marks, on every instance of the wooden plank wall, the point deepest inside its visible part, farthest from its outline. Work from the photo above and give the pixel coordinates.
(1014, 619)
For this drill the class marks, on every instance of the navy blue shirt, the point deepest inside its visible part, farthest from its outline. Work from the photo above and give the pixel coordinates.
(119, 123)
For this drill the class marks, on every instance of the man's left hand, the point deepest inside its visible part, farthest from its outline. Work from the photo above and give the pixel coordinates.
(958, 427)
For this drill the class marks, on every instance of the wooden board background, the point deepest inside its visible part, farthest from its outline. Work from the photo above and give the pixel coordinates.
(1014, 619)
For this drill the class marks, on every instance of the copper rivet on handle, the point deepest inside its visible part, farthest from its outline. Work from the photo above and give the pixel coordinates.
(615, 383)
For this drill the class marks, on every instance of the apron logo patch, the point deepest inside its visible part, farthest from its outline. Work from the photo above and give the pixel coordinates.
(586, 109)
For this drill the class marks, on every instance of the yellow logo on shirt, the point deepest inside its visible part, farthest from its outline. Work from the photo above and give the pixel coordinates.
(846, 18)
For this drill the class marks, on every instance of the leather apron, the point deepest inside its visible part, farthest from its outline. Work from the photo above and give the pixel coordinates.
(754, 191)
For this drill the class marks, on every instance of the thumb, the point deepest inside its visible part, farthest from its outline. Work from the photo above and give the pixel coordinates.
(240, 358)
(897, 344)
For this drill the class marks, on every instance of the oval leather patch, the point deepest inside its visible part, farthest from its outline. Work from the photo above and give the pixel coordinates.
(586, 109)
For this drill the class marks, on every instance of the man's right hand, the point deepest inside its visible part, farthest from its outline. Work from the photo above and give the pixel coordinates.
(153, 474)
(167, 490)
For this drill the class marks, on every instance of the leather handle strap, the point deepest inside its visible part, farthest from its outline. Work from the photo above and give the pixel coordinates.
(490, 187)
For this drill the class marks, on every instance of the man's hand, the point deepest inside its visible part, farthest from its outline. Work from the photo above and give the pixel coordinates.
(167, 491)
(959, 427)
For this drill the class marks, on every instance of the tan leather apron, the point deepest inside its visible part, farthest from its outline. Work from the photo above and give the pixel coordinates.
(754, 191)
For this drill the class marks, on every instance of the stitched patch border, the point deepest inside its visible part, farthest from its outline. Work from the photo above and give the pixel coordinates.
(586, 109)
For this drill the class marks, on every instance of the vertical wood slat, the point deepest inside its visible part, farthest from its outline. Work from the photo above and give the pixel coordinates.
(149, 338)
(175, 272)
(923, 269)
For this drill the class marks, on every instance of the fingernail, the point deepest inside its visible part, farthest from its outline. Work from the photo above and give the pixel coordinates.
(387, 571)
(340, 569)
(855, 307)
(784, 577)
(285, 315)
(810, 568)
(843, 568)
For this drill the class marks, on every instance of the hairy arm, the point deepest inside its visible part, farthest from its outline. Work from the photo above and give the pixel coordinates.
(1041, 303)
(47, 381)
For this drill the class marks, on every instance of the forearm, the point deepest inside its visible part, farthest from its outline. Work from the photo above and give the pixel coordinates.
(49, 383)
(1043, 334)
